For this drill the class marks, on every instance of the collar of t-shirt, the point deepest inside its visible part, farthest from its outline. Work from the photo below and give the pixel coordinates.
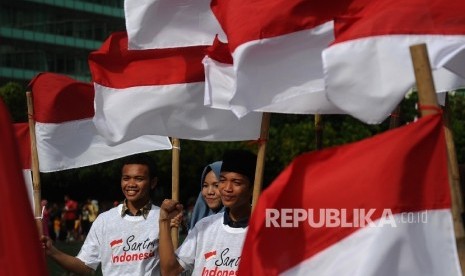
(242, 223)
(144, 211)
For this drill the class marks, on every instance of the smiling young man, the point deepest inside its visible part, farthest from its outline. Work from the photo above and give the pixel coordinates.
(124, 239)
(214, 245)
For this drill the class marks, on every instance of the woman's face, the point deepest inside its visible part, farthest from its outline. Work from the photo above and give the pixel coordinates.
(210, 191)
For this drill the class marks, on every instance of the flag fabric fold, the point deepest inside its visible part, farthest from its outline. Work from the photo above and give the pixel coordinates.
(368, 67)
(24, 144)
(276, 50)
(66, 136)
(23, 140)
(155, 24)
(159, 91)
(380, 206)
(221, 83)
(19, 240)
(354, 52)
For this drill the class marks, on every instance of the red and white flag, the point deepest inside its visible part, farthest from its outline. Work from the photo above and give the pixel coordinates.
(221, 85)
(277, 51)
(380, 207)
(276, 48)
(368, 68)
(209, 255)
(24, 148)
(19, 239)
(65, 133)
(114, 243)
(159, 91)
(155, 24)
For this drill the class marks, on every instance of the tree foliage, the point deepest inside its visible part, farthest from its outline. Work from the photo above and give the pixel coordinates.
(14, 97)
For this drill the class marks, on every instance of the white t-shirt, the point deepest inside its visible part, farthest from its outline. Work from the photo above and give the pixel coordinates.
(212, 248)
(123, 245)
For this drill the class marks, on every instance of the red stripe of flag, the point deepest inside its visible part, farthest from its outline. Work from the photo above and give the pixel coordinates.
(113, 65)
(210, 254)
(59, 98)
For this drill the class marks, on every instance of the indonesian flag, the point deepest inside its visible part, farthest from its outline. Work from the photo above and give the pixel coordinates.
(380, 206)
(114, 243)
(210, 255)
(368, 68)
(65, 133)
(221, 83)
(159, 91)
(19, 240)
(276, 48)
(355, 52)
(155, 24)
(23, 141)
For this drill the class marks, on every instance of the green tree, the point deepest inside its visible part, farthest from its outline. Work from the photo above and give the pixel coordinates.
(14, 97)
(457, 122)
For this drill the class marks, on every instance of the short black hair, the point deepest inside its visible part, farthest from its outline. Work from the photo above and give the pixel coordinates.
(240, 161)
(141, 159)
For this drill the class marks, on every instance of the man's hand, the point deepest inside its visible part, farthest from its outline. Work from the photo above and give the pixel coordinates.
(68, 262)
(177, 220)
(170, 209)
(47, 244)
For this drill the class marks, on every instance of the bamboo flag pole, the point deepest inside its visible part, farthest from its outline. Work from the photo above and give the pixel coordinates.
(258, 182)
(318, 131)
(427, 97)
(452, 157)
(34, 165)
(175, 184)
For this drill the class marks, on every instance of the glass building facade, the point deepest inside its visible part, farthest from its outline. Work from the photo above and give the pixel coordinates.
(54, 36)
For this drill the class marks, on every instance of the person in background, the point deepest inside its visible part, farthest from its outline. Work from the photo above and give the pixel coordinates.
(93, 211)
(55, 218)
(124, 239)
(85, 222)
(78, 223)
(209, 199)
(46, 223)
(57, 227)
(214, 245)
(69, 216)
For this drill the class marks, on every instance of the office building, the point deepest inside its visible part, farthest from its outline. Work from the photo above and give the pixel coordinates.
(54, 36)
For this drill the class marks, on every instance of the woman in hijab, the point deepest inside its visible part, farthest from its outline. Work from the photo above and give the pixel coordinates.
(209, 199)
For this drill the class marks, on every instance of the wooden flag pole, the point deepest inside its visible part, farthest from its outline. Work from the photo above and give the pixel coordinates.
(34, 165)
(175, 184)
(258, 182)
(318, 131)
(452, 157)
(427, 97)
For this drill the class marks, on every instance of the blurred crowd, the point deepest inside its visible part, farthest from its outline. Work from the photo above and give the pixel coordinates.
(69, 220)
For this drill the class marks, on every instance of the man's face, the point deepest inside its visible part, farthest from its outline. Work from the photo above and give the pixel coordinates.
(136, 184)
(235, 190)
